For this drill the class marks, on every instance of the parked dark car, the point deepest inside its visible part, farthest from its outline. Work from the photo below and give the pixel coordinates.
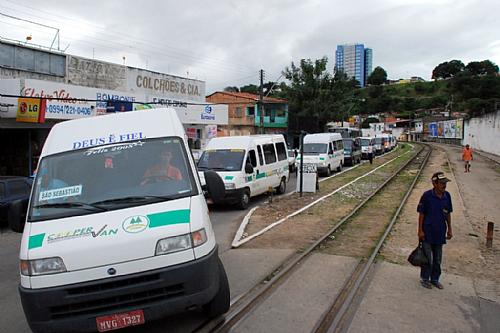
(352, 151)
(14, 191)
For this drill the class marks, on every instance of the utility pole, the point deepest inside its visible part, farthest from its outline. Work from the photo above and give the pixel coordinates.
(261, 101)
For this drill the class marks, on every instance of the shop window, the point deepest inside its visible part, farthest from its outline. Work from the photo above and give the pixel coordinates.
(251, 111)
(281, 150)
(269, 153)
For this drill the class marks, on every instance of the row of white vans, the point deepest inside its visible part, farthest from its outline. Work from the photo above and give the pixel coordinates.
(117, 231)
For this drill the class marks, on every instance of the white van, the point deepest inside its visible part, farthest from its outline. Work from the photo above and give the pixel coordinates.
(387, 141)
(378, 145)
(326, 150)
(117, 230)
(367, 144)
(249, 165)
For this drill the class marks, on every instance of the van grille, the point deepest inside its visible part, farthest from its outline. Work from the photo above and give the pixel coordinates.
(116, 303)
(113, 285)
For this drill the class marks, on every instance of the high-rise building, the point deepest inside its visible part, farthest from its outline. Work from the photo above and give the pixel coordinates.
(355, 60)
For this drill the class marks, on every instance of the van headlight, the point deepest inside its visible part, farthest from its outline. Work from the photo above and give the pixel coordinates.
(230, 186)
(180, 243)
(42, 266)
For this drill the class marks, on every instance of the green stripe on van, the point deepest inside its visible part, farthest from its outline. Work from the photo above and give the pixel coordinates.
(168, 218)
(261, 175)
(229, 177)
(35, 241)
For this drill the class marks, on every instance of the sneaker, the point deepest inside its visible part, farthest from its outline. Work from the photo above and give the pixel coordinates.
(437, 284)
(426, 284)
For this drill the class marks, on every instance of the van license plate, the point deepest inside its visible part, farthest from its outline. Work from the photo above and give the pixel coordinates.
(120, 320)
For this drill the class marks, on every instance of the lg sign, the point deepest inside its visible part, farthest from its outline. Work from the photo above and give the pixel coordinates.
(23, 108)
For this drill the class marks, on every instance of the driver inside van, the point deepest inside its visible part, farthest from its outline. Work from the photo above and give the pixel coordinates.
(163, 170)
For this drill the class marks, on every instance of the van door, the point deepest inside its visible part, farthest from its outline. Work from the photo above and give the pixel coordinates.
(339, 153)
(259, 173)
(331, 156)
(270, 179)
(250, 178)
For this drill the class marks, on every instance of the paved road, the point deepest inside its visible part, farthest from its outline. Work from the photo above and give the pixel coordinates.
(225, 221)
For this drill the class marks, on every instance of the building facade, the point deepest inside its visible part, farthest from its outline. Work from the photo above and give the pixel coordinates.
(355, 60)
(34, 77)
(244, 114)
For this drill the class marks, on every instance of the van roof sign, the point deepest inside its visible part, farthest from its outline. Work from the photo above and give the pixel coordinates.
(127, 126)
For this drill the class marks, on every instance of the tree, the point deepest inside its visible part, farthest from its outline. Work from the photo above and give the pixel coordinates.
(250, 88)
(484, 67)
(316, 98)
(448, 69)
(378, 76)
(231, 89)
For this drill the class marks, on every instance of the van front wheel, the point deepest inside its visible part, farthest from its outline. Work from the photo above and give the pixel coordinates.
(339, 168)
(220, 303)
(244, 199)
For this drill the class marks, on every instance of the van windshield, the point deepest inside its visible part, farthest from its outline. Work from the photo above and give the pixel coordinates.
(365, 142)
(315, 148)
(111, 177)
(221, 160)
(378, 141)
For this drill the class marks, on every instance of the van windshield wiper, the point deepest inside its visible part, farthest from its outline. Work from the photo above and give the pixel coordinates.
(72, 205)
(221, 169)
(135, 199)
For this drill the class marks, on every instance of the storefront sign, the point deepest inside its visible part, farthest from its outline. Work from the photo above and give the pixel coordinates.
(28, 110)
(203, 114)
(166, 86)
(61, 110)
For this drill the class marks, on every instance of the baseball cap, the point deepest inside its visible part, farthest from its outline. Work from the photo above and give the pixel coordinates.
(440, 177)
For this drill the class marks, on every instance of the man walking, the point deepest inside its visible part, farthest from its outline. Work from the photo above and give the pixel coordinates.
(370, 153)
(467, 157)
(434, 228)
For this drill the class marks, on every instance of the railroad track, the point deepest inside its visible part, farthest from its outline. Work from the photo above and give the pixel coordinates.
(336, 317)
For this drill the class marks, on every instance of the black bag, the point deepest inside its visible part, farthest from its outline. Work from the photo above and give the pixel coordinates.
(417, 257)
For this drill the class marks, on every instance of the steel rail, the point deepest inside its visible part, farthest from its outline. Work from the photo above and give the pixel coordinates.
(334, 319)
(241, 308)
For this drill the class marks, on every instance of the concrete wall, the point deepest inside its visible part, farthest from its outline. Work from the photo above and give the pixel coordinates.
(483, 133)
(96, 74)
(8, 73)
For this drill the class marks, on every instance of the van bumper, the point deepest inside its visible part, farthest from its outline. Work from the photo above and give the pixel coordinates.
(233, 196)
(159, 293)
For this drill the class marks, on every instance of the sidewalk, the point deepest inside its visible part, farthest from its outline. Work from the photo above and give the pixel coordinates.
(470, 302)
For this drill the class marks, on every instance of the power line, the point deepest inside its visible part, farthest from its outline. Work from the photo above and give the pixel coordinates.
(148, 43)
(143, 53)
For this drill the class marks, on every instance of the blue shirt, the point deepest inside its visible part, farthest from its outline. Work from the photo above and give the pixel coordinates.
(435, 211)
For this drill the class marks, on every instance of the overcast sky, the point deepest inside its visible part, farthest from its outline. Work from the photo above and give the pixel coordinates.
(226, 43)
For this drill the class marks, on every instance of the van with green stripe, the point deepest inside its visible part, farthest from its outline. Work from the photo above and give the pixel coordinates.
(117, 230)
(249, 165)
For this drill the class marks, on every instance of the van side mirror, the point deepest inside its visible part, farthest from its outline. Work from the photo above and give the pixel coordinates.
(16, 215)
(248, 168)
(215, 186)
